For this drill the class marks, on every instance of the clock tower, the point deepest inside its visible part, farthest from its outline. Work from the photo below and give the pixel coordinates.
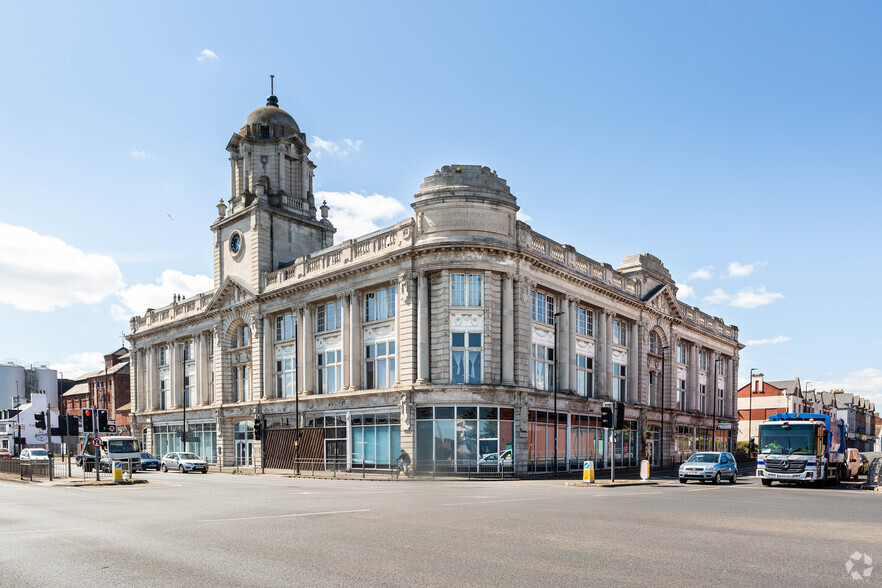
(270, 218)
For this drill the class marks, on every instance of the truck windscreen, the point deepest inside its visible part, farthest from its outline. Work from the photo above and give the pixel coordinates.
(123, 446)
(787, 438)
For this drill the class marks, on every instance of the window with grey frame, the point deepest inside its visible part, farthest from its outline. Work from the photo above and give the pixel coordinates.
(466, 289)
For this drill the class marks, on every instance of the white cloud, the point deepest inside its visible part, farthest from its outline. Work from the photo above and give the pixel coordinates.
(138, 298)
(355, 215)
(78, 364)
(704, 273)
(746, 298)
(718, 296)
(139, 154)
(866, 383)
(753, 297)
(334, 148)
(207, 56)
(41, 273)
(524, 217)
(736, 270)
(684, 291)
(772, 341)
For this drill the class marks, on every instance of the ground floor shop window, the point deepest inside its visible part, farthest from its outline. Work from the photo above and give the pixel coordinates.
(243, 437)
(626, 445)
(704, 439)
(167, 438)
(579, 439)
(586, 441)
(464, 438)
(721, 441)
(653, 444)
(683, 443)
(376, 439)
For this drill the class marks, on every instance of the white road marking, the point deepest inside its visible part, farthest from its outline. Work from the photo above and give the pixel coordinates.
(608, 494)
(299, 514)
(493, 501)
(43, 531)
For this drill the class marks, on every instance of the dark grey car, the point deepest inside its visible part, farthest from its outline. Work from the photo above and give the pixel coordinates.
(709, 466)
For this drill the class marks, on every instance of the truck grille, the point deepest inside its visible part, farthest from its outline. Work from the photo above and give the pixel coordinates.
(785, 466)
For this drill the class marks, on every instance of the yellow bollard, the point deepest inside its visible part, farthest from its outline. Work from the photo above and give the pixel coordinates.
(588, 472)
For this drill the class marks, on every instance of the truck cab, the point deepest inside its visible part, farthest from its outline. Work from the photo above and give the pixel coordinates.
(800, 448)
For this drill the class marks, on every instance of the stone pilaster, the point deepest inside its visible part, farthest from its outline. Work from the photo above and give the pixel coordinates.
(423, 346)
(508, 330)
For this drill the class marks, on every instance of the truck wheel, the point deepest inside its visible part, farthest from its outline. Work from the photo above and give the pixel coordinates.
(766, 482)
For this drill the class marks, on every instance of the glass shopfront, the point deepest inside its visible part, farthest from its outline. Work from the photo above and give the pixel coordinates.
(166, 438)
(464, 438)
(683, 443)
(376, 439)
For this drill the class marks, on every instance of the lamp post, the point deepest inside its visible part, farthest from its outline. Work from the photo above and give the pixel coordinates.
(750, 415)
(804, 390)
(662, 435)
(556, 380)
(717, 361)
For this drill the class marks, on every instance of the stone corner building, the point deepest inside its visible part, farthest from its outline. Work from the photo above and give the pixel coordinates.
(444, 334)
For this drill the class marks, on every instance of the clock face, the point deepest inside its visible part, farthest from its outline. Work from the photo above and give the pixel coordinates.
(236, 243)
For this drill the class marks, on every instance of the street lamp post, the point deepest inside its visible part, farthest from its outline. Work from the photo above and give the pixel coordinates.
(556, 380)
(662, 441)
(717, 361)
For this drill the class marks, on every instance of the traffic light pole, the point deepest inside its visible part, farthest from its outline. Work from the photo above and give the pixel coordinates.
(612, 456)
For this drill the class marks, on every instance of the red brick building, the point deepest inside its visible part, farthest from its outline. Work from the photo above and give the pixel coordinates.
(106, 388)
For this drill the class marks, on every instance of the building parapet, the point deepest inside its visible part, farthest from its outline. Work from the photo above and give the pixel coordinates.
(567, 255)
(330, 260)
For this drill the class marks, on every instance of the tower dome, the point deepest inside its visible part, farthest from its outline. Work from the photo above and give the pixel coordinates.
(270, 122)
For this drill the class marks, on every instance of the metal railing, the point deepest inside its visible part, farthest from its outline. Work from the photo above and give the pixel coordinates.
(34, 469)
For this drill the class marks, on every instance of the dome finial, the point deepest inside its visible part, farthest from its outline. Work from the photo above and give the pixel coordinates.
(271, 100)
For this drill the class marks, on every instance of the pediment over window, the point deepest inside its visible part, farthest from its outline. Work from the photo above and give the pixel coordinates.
(230, 293)
(663, 300)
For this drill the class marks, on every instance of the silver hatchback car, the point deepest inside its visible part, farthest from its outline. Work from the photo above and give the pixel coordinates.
(709, 466)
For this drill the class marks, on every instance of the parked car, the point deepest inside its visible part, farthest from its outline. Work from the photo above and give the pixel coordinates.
(709, 466)
(5, 453)
(34, 455)
(865, 465)
(852, 466)
(149, 462)
(184, 462)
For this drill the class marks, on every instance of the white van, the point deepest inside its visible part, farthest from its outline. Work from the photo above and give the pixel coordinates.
(117, 448)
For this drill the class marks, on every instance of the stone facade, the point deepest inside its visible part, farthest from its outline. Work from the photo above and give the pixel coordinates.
(425, 335)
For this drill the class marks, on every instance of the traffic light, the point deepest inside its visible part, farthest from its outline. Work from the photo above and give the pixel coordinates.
(103, 425)
(620, 416)
(40, 420)
(258, 429)
(606, 415)
(88, 420)
(73, 426)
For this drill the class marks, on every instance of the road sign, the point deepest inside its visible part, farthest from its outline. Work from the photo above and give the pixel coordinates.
(111, 428)
(96, 442)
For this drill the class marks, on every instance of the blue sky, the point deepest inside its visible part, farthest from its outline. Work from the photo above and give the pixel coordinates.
(738, 143)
